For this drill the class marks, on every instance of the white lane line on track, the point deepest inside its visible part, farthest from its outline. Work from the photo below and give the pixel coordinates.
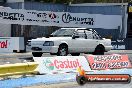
(16, 54)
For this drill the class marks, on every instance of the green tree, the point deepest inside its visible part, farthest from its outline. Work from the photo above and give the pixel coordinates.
(84, 1)
(81, 1)
(112, 1)
(64, 1)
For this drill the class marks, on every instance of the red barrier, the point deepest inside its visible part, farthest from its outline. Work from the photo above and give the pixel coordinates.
(101, 62)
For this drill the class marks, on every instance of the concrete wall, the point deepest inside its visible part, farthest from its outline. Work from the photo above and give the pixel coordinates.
(5, 30)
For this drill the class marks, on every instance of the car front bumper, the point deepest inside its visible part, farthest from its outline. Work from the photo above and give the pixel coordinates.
(45, 49)
(108, 48)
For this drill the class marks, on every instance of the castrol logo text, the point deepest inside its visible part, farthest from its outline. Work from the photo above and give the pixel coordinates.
(61, 64)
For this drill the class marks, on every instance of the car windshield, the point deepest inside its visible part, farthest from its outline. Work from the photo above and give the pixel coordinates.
(63, 33)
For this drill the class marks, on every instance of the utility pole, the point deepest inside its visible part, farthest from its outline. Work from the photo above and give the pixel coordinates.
(22, 26)
(122, 17)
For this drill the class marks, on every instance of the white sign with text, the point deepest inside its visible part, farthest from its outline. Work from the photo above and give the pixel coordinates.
(62, 19)
(8, 44)
(61, 64)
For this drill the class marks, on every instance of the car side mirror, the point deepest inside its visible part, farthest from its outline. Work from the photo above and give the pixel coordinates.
(75, 36)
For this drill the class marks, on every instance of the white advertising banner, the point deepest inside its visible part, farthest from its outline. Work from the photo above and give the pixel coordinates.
(62, 19)
(61, 64)
(5, 44)
(8, 44)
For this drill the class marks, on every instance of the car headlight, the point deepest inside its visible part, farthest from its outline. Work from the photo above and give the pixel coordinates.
(48, 43)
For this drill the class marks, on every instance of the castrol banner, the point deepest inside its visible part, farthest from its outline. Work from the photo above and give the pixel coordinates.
(61, 64)
(102, 62)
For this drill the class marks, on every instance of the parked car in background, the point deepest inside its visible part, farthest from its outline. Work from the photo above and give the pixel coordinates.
(72, 41)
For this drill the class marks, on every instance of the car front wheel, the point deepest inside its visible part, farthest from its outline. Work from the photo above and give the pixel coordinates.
(99, 50)
(63, 50)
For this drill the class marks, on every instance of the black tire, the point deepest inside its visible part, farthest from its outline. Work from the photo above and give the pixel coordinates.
(63, 50)
(81, 80)
(22, 51)
(37, 54)
(75, 54)
(52, 53)
(99, 50)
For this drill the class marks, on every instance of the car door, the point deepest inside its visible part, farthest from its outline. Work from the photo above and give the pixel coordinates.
(79, 44)
(92, 40)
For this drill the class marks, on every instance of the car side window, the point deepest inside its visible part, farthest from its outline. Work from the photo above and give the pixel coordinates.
(81, 33)
(89, 34)
(95, 36)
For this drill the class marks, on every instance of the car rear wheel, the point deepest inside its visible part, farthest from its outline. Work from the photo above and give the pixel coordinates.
(37, 54)
(75, 54)
(99, 50)
(63, 50)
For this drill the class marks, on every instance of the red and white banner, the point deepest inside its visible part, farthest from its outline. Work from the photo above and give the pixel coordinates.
(102, 62)
(8, 44)
(62, 19)
(108, 78)
(61, 64)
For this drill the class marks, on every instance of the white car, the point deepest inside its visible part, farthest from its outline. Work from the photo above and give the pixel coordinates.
(71, 41)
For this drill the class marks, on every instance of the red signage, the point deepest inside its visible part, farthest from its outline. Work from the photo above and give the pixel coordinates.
(3, 44)
(108, 78)
(66, 64)
(61, 64)
(100, 62)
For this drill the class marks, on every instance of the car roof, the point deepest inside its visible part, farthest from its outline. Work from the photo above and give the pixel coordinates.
(73, 28)
(78, 28)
